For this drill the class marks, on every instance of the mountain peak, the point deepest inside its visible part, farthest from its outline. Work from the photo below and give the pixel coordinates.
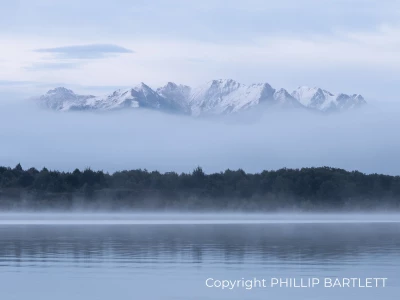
(224, 82)
(60, 90)
(171, 85)
(141, 86)
(62, 98)
(323, 100)
(282, 91)
(178, 95)
(358, 97)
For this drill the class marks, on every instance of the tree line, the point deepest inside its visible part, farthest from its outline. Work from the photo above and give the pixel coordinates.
(322, 188)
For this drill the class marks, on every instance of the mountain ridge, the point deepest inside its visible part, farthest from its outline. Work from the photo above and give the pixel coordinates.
(215, 97)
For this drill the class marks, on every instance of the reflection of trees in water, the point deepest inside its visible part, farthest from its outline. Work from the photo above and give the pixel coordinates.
(263, 244)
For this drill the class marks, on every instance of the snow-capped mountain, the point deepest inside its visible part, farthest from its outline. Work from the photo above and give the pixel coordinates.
(228, 96)
(179, 94)
(63, 99)
(140, 96)
(323, 100)
(215, 97)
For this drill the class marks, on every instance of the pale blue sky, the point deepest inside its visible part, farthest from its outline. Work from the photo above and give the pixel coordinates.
(349, 46)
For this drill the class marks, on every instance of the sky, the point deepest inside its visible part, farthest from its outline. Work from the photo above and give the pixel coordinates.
(98, 46)
(92, 46)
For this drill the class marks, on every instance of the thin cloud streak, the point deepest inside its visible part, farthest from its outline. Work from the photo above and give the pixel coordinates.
(93, 51)
(53, 66)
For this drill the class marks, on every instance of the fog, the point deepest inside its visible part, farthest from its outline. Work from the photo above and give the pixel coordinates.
(194, 218)
(364, 140)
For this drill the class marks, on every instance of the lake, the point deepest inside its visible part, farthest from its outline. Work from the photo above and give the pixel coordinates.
(51, 257)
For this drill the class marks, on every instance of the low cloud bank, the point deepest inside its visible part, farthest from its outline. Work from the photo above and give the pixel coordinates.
(364, 140)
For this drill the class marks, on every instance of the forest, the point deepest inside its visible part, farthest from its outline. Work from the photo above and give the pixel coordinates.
(305, 189)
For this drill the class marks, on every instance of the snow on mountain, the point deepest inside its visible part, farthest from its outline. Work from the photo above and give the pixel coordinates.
(222, 96)
(283, 98)
(178, 94)
(323, 100)
(140, 96)
(215, 97)
(345, 102)
(63, 99)
(118, 99)
(228, 96)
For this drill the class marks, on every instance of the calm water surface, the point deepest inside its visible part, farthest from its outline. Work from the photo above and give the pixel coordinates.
(159, 261)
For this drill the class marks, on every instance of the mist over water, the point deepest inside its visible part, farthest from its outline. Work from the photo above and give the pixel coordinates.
(169, 262)
(146, 218)
(253, 140)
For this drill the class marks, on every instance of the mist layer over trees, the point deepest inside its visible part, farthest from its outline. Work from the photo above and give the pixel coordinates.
(253, 140)
(305, 189)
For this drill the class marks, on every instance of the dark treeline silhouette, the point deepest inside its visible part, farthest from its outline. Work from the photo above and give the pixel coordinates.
(299, 189)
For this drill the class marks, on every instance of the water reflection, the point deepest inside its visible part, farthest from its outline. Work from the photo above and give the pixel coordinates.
(168, 262)
(198, 244)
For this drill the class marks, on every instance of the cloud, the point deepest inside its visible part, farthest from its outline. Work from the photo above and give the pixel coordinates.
(356, 61)
(92, 51)
(206, 20)
(362, 139)
(15, 83)
(75, 56)
(53, 66)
